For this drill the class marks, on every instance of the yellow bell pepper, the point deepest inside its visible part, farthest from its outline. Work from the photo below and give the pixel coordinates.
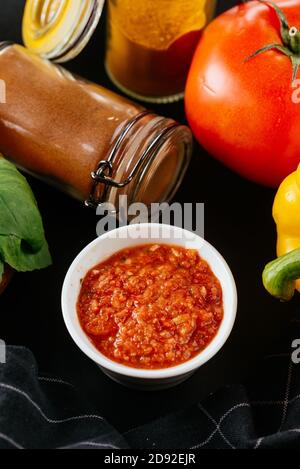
(282, 276)
(286, 213)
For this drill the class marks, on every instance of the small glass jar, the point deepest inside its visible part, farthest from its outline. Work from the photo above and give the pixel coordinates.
(59, 30)
(151, 44)
(85, 139)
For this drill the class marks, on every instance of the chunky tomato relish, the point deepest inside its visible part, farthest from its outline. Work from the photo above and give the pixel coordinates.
(151, 306)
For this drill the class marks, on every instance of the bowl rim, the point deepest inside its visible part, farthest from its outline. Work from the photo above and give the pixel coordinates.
(187, 367)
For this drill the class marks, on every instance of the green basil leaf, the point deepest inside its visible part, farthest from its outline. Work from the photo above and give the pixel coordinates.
(19, 255)
(22, 240)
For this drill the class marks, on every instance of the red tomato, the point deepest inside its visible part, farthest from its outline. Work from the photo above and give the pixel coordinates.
(241, 111)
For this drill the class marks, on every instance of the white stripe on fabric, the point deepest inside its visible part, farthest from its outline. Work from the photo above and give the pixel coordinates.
(38, 408)
(10, 441)
(90, 443)
(242, 404)
(287, 395)
(217, 426)
(258, 443)
(55, 381)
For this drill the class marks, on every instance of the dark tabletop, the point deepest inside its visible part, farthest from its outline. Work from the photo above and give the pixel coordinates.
(238, 222)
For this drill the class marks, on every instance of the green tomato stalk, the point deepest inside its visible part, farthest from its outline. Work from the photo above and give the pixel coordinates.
(290, 37)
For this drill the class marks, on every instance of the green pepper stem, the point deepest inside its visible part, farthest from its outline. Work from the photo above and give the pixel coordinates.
(279, 276)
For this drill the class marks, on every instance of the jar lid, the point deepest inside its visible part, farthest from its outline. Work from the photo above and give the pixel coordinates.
(59, 30)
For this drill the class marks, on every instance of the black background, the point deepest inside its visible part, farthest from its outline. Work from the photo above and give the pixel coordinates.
(238, 222)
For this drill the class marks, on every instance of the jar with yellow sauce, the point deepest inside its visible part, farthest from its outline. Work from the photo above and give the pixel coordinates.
(150, 43)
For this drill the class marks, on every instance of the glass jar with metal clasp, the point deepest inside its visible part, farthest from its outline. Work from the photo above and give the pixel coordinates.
(85, 139)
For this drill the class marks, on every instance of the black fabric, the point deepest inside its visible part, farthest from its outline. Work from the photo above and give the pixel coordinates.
(46, 412)
(39, 411)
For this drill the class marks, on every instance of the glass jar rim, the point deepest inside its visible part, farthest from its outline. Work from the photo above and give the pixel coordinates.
(105, 177)
(59, 31)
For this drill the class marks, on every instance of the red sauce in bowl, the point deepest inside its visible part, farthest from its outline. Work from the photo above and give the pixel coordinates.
(151, 306)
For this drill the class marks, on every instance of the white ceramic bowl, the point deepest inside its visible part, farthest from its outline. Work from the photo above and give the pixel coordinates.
(134, 235)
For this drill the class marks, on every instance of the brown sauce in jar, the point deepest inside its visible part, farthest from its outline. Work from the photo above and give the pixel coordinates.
(54, 125)
(59, 127)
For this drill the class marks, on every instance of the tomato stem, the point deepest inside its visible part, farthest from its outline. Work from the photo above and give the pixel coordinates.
(290, 37)
(294, 40)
